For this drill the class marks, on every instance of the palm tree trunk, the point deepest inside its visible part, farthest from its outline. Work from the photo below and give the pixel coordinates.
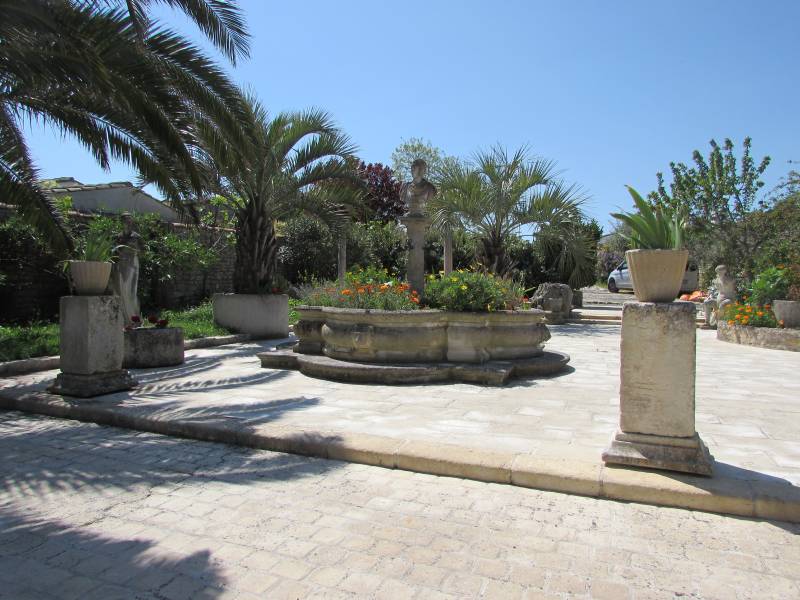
(256, 252)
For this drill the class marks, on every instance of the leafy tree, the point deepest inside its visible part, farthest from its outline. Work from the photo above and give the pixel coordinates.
(498, 194)
(412, 149)
(125, 87)
(718, 194)
(382, 192)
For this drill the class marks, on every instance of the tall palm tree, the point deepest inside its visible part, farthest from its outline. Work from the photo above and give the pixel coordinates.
(497, 194)
(125, 92)
(288, 164)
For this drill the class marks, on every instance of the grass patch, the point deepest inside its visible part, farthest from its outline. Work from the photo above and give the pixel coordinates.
(196, 322)
(36, 339)
(42, 339)
(294, 316)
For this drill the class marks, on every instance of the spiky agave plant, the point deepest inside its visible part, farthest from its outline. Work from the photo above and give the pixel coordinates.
(652, 228)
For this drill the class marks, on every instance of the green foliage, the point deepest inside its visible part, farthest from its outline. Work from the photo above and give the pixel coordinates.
(770, 285)
(471, 291)
(96, 245)
(412, 149)
(719, 195)
(36, 339)
(120, 83)
(652, 228)
(371, 288)
(196, 322)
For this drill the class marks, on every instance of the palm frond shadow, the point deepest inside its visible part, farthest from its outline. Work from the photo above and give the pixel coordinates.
(25, 537)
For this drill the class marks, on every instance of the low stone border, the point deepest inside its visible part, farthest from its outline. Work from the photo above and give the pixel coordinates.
(46, 363)
(763, 337)
(493, 372)
(726, 492)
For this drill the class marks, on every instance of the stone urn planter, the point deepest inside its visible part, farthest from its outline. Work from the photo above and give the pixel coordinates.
(657, 274)
(151, 347)
(787, 311)
(262, 316)
(420, 336)
(89, 277)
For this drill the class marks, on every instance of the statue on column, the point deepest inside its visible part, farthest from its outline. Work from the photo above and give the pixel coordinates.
(125, 272)
(725, 286)
(416, 193)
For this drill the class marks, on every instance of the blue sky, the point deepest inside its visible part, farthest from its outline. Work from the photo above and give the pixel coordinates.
(612, 91)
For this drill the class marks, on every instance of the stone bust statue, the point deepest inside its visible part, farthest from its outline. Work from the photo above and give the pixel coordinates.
(416, 193)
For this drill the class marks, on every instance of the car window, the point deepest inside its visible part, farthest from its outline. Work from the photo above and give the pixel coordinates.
(623, 266)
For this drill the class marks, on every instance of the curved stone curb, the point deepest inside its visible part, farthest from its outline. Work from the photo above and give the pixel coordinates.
(495, 372)
(725, 493)
(12, 368)
(762, 337)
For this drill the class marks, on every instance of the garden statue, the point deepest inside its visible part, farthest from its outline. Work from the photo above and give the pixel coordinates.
(125, 273)
(725, 286)
(415, 195)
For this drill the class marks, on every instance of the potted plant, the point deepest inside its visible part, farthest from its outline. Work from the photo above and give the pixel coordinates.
(657, 261)
(786, 304)
(91, 268)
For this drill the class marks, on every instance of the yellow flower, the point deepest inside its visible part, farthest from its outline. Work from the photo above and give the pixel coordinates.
(463, 287)
(454, 280)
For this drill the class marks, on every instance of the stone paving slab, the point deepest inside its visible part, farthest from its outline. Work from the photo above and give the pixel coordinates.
(96, 513)
(748, 408)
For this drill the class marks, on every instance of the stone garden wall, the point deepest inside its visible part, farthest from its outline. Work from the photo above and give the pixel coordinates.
(763, 337)
(34, 292)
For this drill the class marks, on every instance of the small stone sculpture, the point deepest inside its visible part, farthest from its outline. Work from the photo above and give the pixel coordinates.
(725, 286)
(125, 273)
(555, 299)
(416, 193)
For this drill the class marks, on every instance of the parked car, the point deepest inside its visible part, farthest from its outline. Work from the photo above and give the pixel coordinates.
(620, 279)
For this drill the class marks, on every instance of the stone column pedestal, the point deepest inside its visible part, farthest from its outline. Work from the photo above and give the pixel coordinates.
(416, 225)
(657, 410)
(92, 347)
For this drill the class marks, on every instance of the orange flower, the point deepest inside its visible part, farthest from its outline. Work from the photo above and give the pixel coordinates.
(415, 300)
(361, 290)
(730, 322)
(347, 292)
(760, 314)
(767, 306)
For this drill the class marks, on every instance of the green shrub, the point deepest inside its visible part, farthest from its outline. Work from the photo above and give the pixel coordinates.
(652, 228)
(469, 291)
(770, 285)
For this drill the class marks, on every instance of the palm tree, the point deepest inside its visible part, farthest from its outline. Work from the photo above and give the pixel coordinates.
(288, 164)
(497, 194)
(125, 91)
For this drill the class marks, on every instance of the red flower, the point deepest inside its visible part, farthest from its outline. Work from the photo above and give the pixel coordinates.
(153, 319)
(275, 290)
(136, 319)
(162, 323)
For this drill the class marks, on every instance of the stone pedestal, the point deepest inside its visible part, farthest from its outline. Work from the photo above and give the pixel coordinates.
(341, 259)
(657, 410)
(416, 225)
(92, 347)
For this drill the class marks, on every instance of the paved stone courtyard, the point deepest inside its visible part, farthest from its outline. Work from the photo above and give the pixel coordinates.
(748, 401)
(91, 512)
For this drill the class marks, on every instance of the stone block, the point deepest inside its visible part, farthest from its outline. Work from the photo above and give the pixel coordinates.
(150, 347)
(657, 390)
(263, 316)
(658, 368)
(96, 384)
(91, 334)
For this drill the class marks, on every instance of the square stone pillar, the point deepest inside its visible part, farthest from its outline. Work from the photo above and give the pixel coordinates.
(92, 347)
(657, 384)
(416, 226)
